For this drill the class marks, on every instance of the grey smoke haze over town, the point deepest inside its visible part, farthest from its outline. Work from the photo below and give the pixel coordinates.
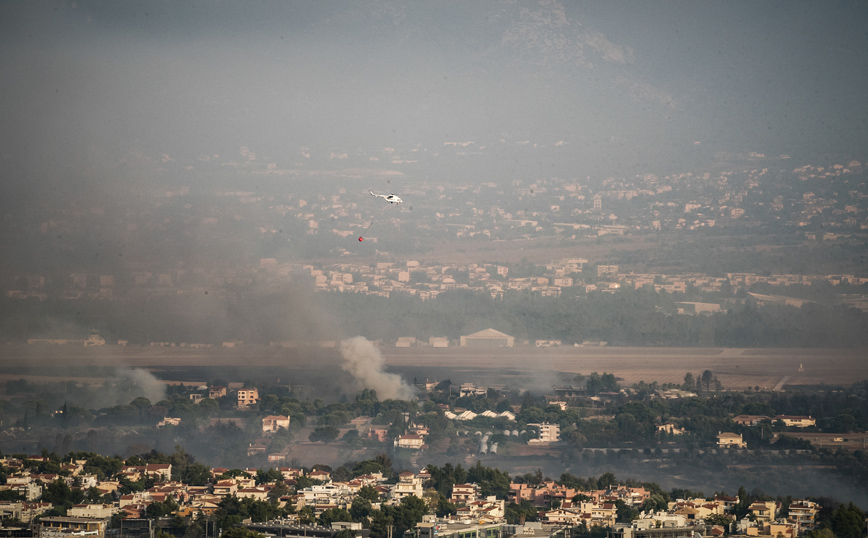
(624, 86)
(119, 118)
(647, 190)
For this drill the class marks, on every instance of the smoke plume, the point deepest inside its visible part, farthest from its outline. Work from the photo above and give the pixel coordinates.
(127, 384)
(364, 362)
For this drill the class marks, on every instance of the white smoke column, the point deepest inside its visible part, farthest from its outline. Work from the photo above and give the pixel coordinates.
(365, 363)
(143, 383)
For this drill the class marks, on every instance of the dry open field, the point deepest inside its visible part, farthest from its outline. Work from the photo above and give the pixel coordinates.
(516, 367)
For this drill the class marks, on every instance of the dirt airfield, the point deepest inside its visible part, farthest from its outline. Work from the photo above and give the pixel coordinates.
(518, 367)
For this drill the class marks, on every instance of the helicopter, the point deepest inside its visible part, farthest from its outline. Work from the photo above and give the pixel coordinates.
(391, 198)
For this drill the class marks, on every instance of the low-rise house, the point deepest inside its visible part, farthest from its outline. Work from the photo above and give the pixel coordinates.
(74, 468)
(629, 495)
(604, 514)
(169, 421)
(108, 486)
(372, 479)
(218, 471)
(159, 471)
(225, 488)
(91, 510)
(542, 494)
(419, 429)
(727, 502)
(87, 481)
(648, 528)
(256, 448)
(591, 514)
(749, 420)
(670, 429)
(562, 516)
(326, 496)
(491, 508)
(272, 423)
(247, 398)
(696, 509)
(71, 526)
(257, 493)
(24, 486)
(764, 511)
(134, 510)
(431, 527)
(776, 530)
(548, 433)
(380, 434)
(796, 421)
(730, 440)
(803, 514)
(408, 484)
(22, 511)
(320, 475)
(290, 473)
(410, 441)
(464, 493)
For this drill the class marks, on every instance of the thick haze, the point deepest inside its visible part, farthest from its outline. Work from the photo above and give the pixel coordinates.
(624, 86)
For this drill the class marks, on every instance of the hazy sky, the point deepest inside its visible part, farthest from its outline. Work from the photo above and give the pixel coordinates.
(627, 83)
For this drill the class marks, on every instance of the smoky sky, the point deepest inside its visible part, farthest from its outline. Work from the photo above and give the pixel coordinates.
(625, 85)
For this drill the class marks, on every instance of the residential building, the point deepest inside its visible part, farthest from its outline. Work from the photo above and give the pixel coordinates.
(247, 398)
(59, 526)
(749, 420)
(464, 493)
(408, 484)
(548, 433)
(764, 511)
(645, 528)
(22, 511)
(161, 471)
(730, 440)
(796, 421)
(91, 510)
(272, 423)
(411, 441)
(540, 495)
(803, 514)
(670, 429)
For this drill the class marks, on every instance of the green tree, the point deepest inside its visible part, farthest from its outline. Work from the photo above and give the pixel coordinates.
(360, 508)
(306, 516)
(326, 434)
(848, 522)
(196, 474)
(625, 513)
(408, 513)
(519, 513)
(380, 523)
(329, 516)
(689, 382)
(61, 495)
(369, 493)
(707, 378)
(240, 532)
